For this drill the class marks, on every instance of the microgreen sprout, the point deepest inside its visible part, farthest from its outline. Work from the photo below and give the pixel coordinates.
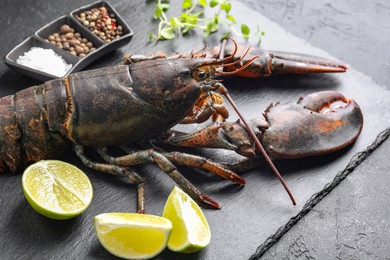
(192, 17)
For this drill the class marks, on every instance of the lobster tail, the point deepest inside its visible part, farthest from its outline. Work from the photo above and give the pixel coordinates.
(24, 132)
(10, 135)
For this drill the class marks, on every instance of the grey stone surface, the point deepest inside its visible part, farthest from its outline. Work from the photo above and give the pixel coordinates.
(352, 222)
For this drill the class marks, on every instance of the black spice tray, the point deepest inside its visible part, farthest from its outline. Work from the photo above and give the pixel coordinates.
(78, 63)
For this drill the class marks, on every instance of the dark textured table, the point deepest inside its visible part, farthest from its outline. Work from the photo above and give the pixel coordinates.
(261, 209)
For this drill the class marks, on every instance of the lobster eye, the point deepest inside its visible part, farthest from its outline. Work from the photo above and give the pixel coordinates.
(201, 74)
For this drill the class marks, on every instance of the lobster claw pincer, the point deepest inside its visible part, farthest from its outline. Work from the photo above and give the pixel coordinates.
(319, 123)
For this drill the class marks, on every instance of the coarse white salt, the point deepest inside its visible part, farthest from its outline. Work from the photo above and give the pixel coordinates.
(45, 60)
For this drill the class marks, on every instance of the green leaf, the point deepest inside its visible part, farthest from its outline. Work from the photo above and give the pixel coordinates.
(203, 3)
(245, 31)
(160, 8)
(186, 4)
(226, 7)
(167, 33)
(189, 18)
(192, 19)
(212, 27)
(174, 21)
(157, 13)
(216, 19)
(231, 18)
(214, 3)
(225, 36)
(151, 36)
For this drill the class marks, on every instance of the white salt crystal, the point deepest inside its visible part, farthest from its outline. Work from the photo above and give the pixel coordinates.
(45, 60)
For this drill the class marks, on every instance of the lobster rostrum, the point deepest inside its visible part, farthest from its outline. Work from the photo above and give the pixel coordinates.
(123, 105)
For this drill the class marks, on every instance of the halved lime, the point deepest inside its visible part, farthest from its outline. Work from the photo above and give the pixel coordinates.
(57, 189)
(132, 235)
(190, 232)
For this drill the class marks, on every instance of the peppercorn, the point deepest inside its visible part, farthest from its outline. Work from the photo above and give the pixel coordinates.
(65, 29)
(79, 49)
(69, 35)
(101, 23)
(70, 40)
(66, 46)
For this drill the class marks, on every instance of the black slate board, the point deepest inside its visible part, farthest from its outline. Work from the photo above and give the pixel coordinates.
(249, 215)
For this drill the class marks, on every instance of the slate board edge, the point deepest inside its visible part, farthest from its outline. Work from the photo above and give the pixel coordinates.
(357, 159)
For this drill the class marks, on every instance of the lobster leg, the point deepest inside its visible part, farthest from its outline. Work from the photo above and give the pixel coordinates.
(244, 165)
(203, 163)
(163, 163)
(115, 170)
(198, 162)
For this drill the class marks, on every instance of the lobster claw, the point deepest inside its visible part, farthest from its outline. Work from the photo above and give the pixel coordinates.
(267, 62)
(277, 62)
(319, 123)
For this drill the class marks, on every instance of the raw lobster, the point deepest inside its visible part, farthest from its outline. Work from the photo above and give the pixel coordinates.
(142, 99)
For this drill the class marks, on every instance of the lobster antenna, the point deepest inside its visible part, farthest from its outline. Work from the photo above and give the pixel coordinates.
(221, 56)
(260, 147)
(252, 134)
(239, 69)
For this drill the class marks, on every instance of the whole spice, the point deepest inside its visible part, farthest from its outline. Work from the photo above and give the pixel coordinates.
(67, 37)
(102, 23)
(45, 60)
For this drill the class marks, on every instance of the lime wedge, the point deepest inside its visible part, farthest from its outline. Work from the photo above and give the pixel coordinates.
(57, 189)
(190, 232)
(132, 235)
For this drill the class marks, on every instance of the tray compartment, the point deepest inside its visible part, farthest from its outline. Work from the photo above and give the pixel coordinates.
(26, 45)
(54, 27)
(127, 32)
